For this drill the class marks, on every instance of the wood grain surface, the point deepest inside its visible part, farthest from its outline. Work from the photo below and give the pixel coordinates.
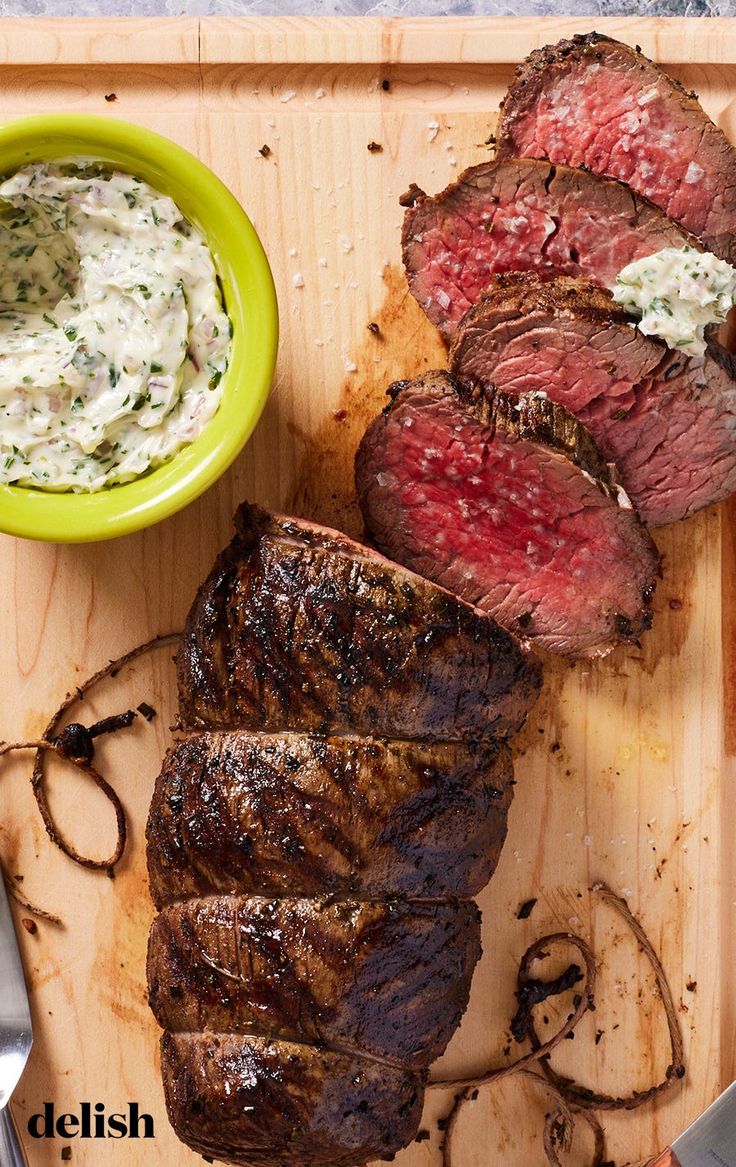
(625, 770)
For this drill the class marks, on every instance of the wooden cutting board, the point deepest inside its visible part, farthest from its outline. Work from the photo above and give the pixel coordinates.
(626, 769)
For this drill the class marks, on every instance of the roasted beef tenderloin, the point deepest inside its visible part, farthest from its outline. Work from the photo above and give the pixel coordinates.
(525, 215)
(592, 101)
(263, 1102)
(316, 941)
(300, 628)
(667, 420)
(298, 814)
(506, 501)
(391, 979)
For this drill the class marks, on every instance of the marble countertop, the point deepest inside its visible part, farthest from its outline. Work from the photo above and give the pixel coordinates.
(72, 8)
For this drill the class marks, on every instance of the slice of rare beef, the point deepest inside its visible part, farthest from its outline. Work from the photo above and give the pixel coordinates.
(389, 979)
(296, 814)
(298, 627)
(592, 101)
(667, 420)
(506, 500)
(270, 1103)
(525, 215)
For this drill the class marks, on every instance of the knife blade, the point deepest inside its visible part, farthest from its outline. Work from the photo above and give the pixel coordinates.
(710, 1141)
(16, 1032)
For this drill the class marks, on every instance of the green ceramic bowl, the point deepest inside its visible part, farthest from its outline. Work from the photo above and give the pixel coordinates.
(250, 300)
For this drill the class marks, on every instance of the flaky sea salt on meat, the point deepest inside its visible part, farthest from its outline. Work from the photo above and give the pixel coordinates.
(694, 173)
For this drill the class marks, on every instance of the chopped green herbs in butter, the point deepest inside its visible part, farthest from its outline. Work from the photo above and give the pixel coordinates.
(113, 336)
(677, 293)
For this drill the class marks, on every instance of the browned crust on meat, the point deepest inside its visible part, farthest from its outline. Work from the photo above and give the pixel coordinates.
(299, 1026)
(521, 293)
(559, 438)
(253, 522)
(537, 419)
(277, 968)
(300, 628)
(726, 359)
(292, 814)
(261, 1103)
(530, 418)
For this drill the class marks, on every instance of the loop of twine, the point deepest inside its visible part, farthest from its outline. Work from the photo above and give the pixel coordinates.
(573, 1100)
(51, 743)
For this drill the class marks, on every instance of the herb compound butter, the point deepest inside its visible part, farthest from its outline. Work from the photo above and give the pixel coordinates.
(113, 337)
(677, 293)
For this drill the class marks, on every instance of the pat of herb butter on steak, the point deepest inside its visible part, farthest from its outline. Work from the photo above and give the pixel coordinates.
(676, 294)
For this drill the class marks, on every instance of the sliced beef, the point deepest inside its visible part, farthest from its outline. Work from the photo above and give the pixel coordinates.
(668, 421)
(270, 1103)
(525, 215)
(300, 628)
(387, 979)
(594, 102)
(506, 501)
(290, 814)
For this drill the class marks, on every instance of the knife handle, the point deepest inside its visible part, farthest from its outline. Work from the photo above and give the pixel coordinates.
(666, 1159)
(11, 1152)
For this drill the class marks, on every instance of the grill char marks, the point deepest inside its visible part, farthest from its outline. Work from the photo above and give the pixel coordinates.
(315, 946)
(525, 215)
(356, 975)
(592, 101)
(290, 814)
(667, 421)
(507, 501)
(299, 628)
(287, 1103)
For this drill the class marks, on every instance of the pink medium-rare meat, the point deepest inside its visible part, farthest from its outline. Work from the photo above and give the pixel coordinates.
(525, 215)
(667, 420)
(506, 501)
(592, 101)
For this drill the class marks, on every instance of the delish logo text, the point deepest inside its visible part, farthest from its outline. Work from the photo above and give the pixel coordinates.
(92, 1122)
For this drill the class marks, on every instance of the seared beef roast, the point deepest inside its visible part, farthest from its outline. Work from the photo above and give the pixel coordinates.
(668, 421)
(300, 628)
(525, 215)
(353, 974)
(594, 102)
(265, 1102)
(506, 501)
(338, 816)
(316, 942)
